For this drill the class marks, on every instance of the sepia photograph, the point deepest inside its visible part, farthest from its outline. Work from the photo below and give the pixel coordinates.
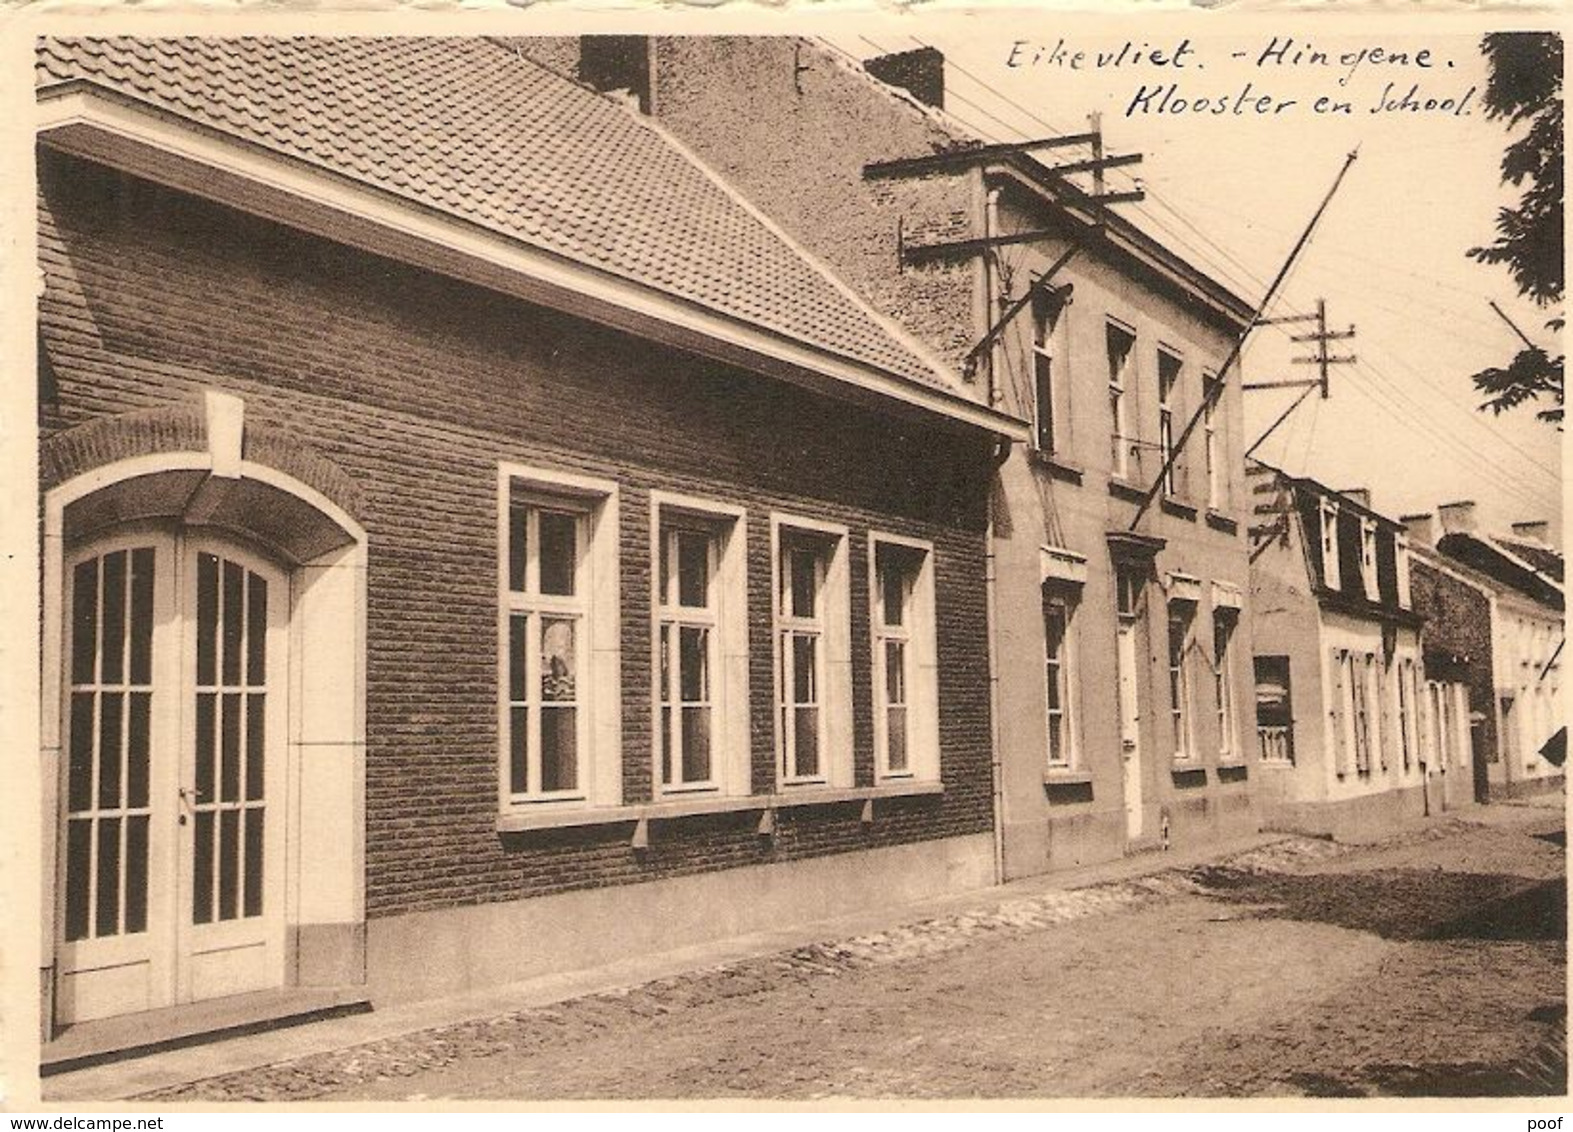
(1008, 555)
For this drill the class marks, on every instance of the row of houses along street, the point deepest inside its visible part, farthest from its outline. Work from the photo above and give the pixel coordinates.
(498, 518)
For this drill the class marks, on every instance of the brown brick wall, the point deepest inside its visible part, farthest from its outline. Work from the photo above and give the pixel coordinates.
(1458, 620)
(415, 387)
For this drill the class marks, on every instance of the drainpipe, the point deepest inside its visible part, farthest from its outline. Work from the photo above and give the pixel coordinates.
(990, 581)
(991, 615)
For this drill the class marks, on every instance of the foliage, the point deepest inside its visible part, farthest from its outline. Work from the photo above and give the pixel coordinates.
(1526, 86)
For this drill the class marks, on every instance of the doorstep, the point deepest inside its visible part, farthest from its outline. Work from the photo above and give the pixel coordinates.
(86, 1044)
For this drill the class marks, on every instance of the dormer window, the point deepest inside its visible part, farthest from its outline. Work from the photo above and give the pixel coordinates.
(1368, 558)
(1401, 562)
(1329, 515)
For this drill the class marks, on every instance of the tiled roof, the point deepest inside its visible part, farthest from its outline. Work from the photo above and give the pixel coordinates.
(1547, 560)
(472, 128)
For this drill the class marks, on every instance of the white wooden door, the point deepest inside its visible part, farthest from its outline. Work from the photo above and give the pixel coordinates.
(231, 789)
(1130, 726)
(171, 818)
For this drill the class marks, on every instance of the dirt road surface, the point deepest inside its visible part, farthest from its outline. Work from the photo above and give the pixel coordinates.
(1430, 964)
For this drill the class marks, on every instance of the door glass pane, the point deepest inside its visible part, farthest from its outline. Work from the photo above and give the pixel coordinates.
(229, 759)
(136, 874)
(111, 717)
(256, 631)
(107, 921)
(559, 748)
(256, 755)
(559, 534)
(79, 872)
(142, 615)
(112, 663)
(253, 872)
(228, 863)
(207, 617)
(233, 619)
(137, 751)
(204, 743)
(84, 621)
(202, 867)
(79, 787)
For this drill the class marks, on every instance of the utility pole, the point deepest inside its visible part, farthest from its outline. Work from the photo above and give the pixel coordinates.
(1321, 359)
(1209, 396)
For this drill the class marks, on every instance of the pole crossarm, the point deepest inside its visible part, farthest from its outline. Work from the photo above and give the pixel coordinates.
(1210, 394)
(1251, 386)
(921, 253)
(967, 157)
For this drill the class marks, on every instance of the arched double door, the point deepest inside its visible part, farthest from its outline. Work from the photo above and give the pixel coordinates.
(172, 800)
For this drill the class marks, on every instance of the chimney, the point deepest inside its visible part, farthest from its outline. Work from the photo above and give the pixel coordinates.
(617, 62)
(1361, 495)
(921, 73)
(1536, 531)
(1421, 528)
(1457, 518)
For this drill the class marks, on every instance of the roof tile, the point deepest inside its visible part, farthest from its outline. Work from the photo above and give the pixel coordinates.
(482, 132)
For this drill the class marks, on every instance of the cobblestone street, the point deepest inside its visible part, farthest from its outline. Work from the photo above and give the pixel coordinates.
(1431, 963)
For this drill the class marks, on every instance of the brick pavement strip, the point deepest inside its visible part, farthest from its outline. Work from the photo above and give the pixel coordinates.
(579, 1019)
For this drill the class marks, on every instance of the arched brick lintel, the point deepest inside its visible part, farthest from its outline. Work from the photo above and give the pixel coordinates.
(183, 428)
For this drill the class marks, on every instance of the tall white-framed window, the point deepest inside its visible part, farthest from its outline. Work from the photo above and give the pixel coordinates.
(1170, 372)
(813, 664)
(1340, 709)
(1120, 344)
(1046, 311)
(906, 674)
(1368, 576)
(1182, 616)
(1211, 451)
(1059, 673)
(700, 640)
(1407, 738)
(1224, 623)
(1360, 688)
(558, 633)
(1328, 511)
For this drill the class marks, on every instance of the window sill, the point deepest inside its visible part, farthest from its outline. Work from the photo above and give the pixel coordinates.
(1057, 467)
(1188, 777)
(521, 821)
(1124, 489)
(1178, 508)
(1276, 764)
(1058, 775)
(1218, 521)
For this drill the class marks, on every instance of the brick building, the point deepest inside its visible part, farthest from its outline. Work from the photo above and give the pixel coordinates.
(1108, 359)
(477, 542)
(1522, 574)
(1353, 730)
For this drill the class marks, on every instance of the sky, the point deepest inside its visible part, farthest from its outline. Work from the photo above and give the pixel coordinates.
(1232, 191)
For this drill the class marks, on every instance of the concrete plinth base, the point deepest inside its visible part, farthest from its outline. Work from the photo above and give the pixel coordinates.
(426, 954)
